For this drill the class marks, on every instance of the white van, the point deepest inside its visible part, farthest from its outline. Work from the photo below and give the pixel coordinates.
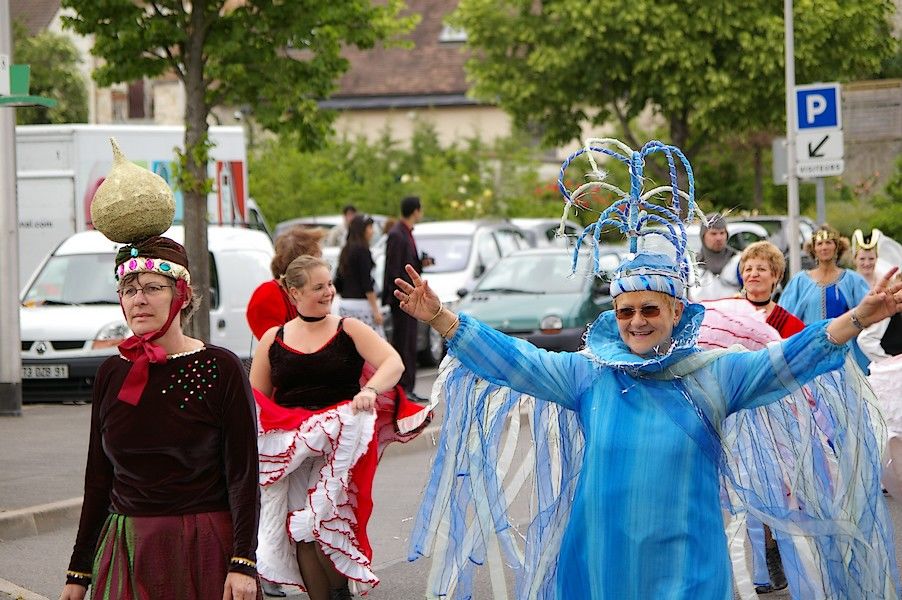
(71, 320)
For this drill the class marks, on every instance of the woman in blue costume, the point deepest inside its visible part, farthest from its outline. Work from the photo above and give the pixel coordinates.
(827, 290)
(627, 488)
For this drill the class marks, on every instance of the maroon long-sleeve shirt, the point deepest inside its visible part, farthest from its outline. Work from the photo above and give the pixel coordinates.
(189, 446)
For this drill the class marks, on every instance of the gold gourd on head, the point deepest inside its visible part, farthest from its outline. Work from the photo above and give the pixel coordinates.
(132, 203)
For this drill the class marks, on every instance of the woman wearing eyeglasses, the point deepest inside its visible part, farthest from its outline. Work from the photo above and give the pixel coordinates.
(171, 500)
(627, 454)
(171, 495)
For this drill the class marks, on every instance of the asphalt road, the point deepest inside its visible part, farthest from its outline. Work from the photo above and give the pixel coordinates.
(37, 563)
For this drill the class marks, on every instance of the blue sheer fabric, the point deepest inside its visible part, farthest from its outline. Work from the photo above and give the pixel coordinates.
(625, 463)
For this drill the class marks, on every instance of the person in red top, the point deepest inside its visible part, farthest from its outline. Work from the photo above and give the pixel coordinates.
(270, 306)
(761, 266)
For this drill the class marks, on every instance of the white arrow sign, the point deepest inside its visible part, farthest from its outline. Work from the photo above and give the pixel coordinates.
(826, 144)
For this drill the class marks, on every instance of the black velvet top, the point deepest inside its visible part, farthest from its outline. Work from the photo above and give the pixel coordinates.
(357, 274)
(189, 446)
(892, 338)
(317, 380)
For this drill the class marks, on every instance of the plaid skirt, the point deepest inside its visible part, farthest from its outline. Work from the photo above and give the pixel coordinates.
(181, 557)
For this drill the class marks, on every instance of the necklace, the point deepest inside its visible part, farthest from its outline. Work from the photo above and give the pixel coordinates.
(311, 319)
(759, 302)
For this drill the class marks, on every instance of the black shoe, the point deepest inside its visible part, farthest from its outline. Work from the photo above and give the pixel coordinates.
(273, 590)
(764, 589)
(775, 568)
(417, 398)
(340, 594)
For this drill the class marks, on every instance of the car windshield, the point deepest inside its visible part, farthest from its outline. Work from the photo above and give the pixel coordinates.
(75, 279)
(450, 252)
(541, 274)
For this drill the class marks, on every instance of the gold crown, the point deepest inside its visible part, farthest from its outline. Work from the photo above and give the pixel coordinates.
(822, 235)
(859, 243)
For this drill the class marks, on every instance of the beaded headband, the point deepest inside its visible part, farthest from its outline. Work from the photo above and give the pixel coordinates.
(636, 216)
(149, 264)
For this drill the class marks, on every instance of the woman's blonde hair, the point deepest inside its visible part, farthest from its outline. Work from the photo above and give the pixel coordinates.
(767, 252)
(298, 272)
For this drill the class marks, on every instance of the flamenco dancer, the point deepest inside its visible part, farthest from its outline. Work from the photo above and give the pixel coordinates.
(629, 441)
(324, 421)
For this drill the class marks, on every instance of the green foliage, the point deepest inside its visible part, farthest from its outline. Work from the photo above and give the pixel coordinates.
(708, 68)
(461, 181)
(54, 64)
(277, 57)
(888, 205)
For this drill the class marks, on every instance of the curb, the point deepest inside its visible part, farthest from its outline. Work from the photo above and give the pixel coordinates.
(35, 520)
(44, 518)
(10, 591)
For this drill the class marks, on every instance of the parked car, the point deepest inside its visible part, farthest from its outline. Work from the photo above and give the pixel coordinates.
(532, 295)
(330, 253)
(544, 232)
(463, 251)
(777, 227)
(740, 235)
(328, 222)
(71, 320)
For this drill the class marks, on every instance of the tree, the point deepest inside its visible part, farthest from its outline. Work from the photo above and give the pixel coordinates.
(462, 180)
(709, 69)
(279, 58)
(54, 61)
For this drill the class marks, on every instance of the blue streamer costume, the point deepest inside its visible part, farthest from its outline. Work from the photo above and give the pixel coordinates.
(627, 452)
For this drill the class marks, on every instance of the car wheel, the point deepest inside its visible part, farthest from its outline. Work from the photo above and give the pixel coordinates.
(434, 351)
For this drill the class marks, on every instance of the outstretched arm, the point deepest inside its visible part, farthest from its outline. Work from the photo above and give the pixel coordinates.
(880, 303)
(559, 377)
(751, 379)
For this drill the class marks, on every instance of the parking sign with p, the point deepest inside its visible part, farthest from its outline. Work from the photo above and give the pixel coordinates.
(817, 106)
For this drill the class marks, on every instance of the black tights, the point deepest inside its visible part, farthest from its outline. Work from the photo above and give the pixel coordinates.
(318, 572)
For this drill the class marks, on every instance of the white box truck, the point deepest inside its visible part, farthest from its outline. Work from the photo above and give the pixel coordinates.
(59, 167)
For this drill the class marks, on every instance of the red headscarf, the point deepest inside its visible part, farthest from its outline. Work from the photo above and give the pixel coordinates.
(152, 254)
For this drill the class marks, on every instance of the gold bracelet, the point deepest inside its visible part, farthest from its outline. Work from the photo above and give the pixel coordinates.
(78, 575)
(447, 331)
(370, 388)
(441, 307)
(246, 562)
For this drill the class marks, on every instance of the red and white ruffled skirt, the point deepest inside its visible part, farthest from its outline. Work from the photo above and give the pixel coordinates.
(316, 477)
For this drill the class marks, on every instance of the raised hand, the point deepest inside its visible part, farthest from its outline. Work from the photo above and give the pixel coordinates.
(883, 301)
(417, 300)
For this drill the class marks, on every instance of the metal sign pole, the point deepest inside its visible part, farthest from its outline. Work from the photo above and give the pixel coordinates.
(820, 200)
(792, 179)
(10, 360)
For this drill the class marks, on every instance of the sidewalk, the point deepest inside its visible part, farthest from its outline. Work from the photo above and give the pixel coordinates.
(43, 466)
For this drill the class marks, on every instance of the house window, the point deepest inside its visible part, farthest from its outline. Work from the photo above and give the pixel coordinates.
(136, 100)
(450, 35)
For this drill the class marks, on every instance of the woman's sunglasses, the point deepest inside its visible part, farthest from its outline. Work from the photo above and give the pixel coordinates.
(628, 312)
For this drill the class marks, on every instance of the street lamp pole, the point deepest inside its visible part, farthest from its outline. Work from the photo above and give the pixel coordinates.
(10, 345)
(792, 180)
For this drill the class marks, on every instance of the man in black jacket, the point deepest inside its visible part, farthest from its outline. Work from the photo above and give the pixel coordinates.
(400, 250)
